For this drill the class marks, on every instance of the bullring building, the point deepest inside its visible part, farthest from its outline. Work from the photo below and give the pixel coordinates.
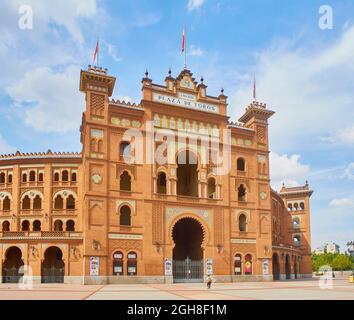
(94, 217)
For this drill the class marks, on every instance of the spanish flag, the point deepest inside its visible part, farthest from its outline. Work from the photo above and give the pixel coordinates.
(183, 41)
(96, 53)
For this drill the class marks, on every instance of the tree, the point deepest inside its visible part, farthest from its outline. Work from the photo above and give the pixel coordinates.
(341, 262)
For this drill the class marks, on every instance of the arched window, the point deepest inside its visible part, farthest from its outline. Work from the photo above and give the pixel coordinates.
(6, 226)
(296, 223)
(26, 203)
(36, 225)
(25, 225)
(93, 145)
(125, 181)
(70, 225)
(238, 265)
(290, 207)
(211, 188)
(302, 206)
(124, 149)
(37, 203)
(297, 240)
(248, 264)
(73, 177)
(70, 203)
(241, 193)
(118, 263)
(242, 222)
(40, 177)
(132, 264)
(241, 166)
(125, 216)
(65, 176)
(161, 183)
(2, 177)
(58, 202)
(24, 177)
(6, 204)
(58, 225)
(32, 176)
(56, 176)
(187, 174)
(9, 178)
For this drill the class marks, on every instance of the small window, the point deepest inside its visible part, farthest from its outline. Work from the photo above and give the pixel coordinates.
(10, 178)
(58, 225)
(100, 146)
(118, 263)
(56, 176)
(32, 176)
(124, 149)
(238, 265)
(24, 177)
(36, 225)
(302, 206)
(241, 164)
(6, 226)
(242, 221)
(125, 216)
(70, 225)
(70, 203)
(6, 204)
(211, 188)
(26, 203)
(40, 177)
(25, 225)
(290, 207)
(297, 240)
(132, 264)
(65, 176)
(296, 223)
(2, 177)
(161, 183)
(73, 177)
(37, 203)
(248, 264)
(125, 182)
(59, 202)
(241, 193)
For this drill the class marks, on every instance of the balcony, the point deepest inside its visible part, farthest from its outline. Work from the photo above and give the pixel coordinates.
(41, 235)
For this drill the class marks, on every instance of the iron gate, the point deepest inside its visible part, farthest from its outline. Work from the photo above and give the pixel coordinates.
(53, 275)
(188, 271)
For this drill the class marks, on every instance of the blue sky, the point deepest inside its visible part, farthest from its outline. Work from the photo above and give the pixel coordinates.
(303, 73)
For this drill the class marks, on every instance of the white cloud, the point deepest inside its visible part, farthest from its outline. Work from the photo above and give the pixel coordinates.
(4, 146)
(287, 169)
(195, 51)
(345, 136)
(349, 171)
(343, 202)
(194, 4)
(307, 86)
(51, 101)
(112, 51)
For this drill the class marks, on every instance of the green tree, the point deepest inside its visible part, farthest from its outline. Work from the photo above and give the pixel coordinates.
(341, 262)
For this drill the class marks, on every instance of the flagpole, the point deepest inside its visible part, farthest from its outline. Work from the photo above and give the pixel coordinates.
(98, 53)
(185, 48)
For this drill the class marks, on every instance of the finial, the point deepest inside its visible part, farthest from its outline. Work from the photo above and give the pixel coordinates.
(307, 183)
(283, 185)
(202, 79)
(222, 90)
(146, 73)
(169, 72)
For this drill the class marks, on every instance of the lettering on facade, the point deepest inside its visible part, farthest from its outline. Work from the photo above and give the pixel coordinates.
(248, 241)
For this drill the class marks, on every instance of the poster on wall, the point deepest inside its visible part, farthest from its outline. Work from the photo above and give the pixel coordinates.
(209, 267)
(168, 267)
(265, 267)
(94, 266)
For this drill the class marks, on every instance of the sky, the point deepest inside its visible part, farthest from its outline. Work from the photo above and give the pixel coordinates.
(303, 72)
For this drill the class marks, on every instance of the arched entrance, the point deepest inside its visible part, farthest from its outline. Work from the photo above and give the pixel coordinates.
(188, 237)
(12, 264)
(287, 267)
(53, 266)
(295, 269)
(276, 268)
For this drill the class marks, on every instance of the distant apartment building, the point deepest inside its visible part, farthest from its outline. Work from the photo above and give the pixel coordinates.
(327, 248)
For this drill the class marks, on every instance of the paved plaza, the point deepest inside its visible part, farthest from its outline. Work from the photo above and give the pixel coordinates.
(287, 290)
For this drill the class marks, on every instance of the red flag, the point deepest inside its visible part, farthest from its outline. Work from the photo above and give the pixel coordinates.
(95, 55)
(183, 41)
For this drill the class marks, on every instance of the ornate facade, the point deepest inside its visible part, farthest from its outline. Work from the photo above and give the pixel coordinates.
(94, 217)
